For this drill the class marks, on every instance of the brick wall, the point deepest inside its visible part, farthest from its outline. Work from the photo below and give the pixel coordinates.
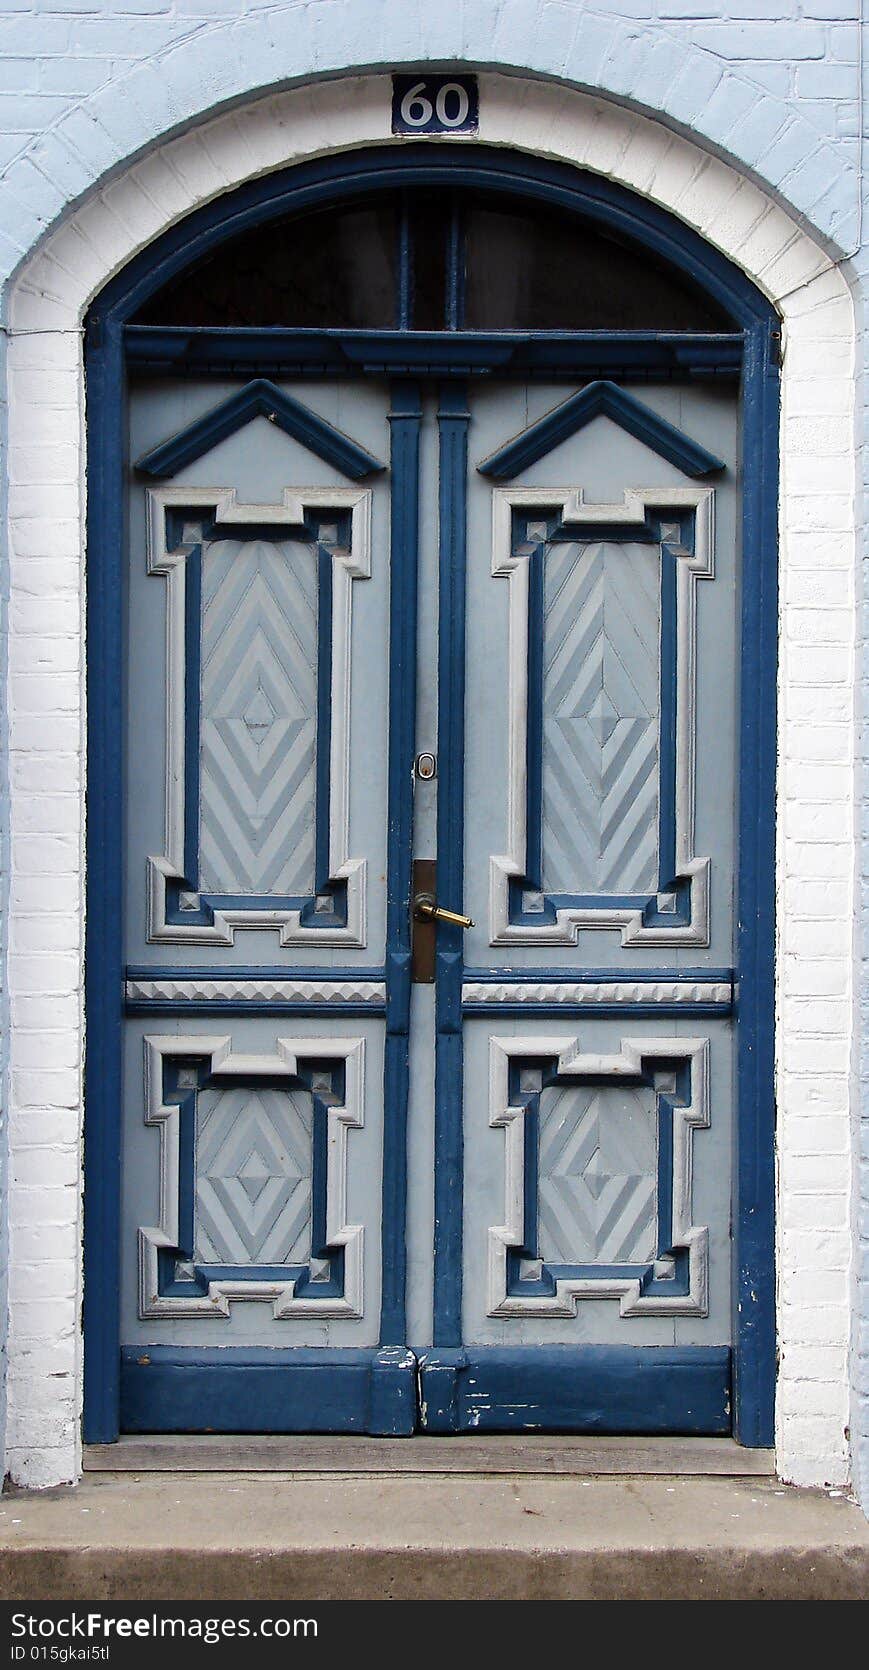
(87, 84)
(771, 85)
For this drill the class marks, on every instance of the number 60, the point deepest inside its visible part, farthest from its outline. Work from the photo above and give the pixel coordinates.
(417, 110)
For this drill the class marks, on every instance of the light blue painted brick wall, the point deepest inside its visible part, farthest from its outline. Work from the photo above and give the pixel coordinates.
(774, 83)
(81, 83)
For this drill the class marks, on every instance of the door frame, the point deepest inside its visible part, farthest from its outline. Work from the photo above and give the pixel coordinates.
(109, 341)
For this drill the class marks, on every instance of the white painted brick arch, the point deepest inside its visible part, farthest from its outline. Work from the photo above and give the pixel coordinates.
(46, 689)
(715, 76)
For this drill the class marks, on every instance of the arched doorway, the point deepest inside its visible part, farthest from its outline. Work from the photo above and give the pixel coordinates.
(427, 462)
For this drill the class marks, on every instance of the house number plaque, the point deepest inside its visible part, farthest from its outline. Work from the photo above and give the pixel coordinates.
(435, 104)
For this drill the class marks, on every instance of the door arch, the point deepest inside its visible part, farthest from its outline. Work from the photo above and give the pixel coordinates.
(751, 345)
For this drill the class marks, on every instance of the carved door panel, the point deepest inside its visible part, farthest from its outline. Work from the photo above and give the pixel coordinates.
(583, 1278)
(256, 840)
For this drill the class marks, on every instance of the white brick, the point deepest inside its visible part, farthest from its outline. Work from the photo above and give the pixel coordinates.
(818, 664)
(43, 895)
(820, 626)
(818, 822)
(56, 1243)
(42, 773)
(33, 616)
(29, 1011)
(46, 1087)
(47, 975)
(50, 1464)
(817, 782)
(55, 1167)
(823, 1133)
(825, 1364)
(820, 396)
(815, 1016)
(820, 899)
(833, 703)
(58, 814)
(811, 1094)
(46, 736)
(35, 1049)
(818, 978)
(813, 1212)
(32, 1208)
(827, 1174)
(41, 933)
(831, 588)
(821, 742)
(819, 1248)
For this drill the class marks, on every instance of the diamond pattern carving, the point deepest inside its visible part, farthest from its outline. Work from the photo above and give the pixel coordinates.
(199, 989)
(258, 726)
(597, 1175)
(601, 711)
(253, 1177)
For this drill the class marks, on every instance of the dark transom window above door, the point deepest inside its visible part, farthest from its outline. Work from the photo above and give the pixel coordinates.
(438, 260)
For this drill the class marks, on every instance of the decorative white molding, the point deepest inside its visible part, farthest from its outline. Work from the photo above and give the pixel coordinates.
(347, 566)
(341, 1118)
(690, 567)
(596, 992)
(505, 1237)
(255, 991)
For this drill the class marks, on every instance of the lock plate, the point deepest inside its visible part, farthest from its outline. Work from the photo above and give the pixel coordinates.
(423, 933)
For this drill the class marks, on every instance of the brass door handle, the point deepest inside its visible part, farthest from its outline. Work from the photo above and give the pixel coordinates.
(425, 909)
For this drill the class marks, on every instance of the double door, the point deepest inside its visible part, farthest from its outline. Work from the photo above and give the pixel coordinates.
(394, 652)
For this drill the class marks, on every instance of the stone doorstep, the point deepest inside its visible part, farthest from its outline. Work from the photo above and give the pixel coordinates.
(366, 1536)
(464, 1453)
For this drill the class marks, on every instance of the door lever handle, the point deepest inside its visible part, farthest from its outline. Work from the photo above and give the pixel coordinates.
(425, 909)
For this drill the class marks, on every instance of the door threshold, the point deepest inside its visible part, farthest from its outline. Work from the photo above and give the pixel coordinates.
(572, 1456)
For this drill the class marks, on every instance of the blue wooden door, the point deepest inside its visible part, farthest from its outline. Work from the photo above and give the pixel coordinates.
(354, 1197)
(584, 1121)
(257, 1159)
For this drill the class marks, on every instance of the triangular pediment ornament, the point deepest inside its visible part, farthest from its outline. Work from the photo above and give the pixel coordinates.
(260, 398)
(600, 399)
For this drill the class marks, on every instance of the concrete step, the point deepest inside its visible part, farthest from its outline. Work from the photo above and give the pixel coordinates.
(293, 1536)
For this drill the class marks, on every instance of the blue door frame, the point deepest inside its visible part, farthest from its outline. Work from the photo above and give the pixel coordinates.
(751, 349)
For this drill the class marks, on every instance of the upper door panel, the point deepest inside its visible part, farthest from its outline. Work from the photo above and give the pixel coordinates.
(257, 693)
(602, 661)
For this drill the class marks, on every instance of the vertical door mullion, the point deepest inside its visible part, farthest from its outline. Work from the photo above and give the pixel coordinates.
(453, 420)
(405, 421)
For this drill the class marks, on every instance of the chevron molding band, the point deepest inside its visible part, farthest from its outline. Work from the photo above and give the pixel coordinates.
(244, 729)
(563, 921)
(253, 1168)
(260, 399)
(608, 400)
(597, 1203)
(593, 994)
(231, 990)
